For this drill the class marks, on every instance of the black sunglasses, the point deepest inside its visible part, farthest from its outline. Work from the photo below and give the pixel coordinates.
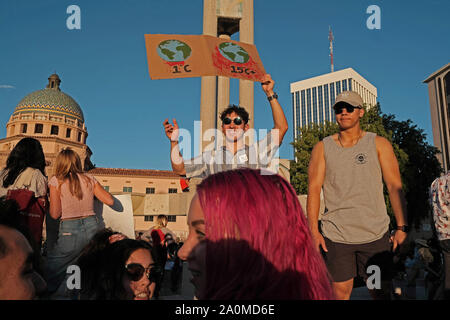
(136, 271)
(237, 121)
(349, 109)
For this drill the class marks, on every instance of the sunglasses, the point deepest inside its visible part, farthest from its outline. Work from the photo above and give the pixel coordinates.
(237, 121)
(136, 271)
(349, 109)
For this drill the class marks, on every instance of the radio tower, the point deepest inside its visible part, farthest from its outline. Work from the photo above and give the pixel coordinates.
(331, 38)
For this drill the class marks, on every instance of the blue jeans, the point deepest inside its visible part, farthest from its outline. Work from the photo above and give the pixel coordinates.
(73, 236)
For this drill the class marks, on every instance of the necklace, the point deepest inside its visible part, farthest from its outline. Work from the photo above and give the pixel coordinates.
(340, 142)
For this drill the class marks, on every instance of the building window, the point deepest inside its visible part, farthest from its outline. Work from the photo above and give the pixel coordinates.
(106, 188)
(350, 84)
(320, 104)
(327, 102)
(38, 128)
(314, 99)
(173, 190)
(344, 85)
(54, 130)
(68, 132)
(338, 87)
(149, 190)
(308, 103)
(148, 218)
(332, 99)
(23, 128)
(172, 218)
(79, 136)
(297, 108)
(128, 189)
(303, 109)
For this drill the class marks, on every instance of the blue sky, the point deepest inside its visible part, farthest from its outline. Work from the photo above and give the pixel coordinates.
(104, 68)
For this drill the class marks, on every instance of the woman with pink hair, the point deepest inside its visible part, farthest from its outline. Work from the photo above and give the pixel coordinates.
(249, 239)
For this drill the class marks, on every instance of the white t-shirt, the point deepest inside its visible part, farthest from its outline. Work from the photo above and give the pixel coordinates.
(31, 179)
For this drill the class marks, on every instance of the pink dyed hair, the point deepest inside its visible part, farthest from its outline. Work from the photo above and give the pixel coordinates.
(258, 242)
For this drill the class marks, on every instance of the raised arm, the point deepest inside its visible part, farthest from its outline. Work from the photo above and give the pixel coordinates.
(279, 119)
(316, 177)
(175, 156)
(393, 181)
(103, 195)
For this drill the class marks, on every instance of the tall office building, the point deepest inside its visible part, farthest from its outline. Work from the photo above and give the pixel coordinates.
(313, 98)
(439, 95)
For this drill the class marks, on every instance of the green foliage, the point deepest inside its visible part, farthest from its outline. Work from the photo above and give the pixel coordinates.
(417, 159)
(421, 168)
(303, 147)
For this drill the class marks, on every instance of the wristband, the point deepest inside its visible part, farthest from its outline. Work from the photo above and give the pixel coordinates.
(274, 96)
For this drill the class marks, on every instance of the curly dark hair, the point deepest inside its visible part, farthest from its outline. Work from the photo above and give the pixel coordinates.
(240, 111)
(27, 153)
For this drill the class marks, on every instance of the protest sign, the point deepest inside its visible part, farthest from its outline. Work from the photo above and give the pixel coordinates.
(118, 217)
(182, 56)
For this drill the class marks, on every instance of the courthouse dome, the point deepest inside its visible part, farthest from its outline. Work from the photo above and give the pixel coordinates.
(50, 100)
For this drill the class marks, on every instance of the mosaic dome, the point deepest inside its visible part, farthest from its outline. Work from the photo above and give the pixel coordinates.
(51, 99)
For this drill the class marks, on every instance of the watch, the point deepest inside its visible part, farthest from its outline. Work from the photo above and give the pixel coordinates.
(403, 228)
(274, 96)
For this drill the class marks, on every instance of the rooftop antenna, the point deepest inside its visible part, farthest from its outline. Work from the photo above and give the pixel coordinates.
(331, 38)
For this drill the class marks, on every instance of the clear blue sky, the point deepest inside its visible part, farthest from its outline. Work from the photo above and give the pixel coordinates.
(104, 68)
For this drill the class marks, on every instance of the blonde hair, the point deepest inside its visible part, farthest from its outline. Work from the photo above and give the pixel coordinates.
(161, 221)
(67, 167)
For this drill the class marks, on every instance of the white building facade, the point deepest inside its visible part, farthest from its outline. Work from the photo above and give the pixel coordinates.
(313, 98)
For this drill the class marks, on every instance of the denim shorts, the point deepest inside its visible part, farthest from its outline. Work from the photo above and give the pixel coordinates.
(73, 236)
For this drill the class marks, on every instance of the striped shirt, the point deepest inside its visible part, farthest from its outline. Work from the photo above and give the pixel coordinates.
(260, 155)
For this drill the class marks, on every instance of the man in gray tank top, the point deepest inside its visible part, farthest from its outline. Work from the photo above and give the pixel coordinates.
(354, 232)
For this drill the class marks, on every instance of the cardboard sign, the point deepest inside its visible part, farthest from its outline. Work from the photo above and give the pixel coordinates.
(119, 217)
(183, 56)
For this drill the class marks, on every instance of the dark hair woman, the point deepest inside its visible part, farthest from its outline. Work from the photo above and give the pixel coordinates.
(124, 270)
(23, 179)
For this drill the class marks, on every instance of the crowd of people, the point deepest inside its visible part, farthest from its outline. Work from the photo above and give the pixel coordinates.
(249, 237)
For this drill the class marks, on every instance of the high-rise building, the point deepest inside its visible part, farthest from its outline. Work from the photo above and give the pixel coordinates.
(313, 98)
(439, 95)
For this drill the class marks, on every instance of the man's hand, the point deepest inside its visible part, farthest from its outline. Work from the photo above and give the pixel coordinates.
(319, 241)
(171, 130)
(398, 239)
(267, 84)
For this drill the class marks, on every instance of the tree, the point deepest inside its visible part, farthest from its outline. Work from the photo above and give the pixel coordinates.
(417, 159)
(421, 168)
(303, 147)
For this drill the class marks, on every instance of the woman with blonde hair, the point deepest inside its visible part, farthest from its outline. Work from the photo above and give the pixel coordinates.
(72, 195)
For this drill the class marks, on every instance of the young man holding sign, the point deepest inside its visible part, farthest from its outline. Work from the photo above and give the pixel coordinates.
(234, 154)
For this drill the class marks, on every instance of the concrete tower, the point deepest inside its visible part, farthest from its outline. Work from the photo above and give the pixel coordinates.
(223, 18)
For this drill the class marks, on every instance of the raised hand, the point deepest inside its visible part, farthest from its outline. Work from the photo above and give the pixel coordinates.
(267, 84)
(171, 130)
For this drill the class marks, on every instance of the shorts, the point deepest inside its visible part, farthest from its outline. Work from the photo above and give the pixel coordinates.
(347, 261)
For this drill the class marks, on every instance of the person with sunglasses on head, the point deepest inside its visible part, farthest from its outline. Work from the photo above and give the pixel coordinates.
(234, 153)
(350, 167)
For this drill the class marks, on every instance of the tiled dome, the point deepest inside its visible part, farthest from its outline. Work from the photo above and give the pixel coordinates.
(50, 99)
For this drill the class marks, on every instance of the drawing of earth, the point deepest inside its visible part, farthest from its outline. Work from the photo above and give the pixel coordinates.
(174, 51)
(233, 52)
